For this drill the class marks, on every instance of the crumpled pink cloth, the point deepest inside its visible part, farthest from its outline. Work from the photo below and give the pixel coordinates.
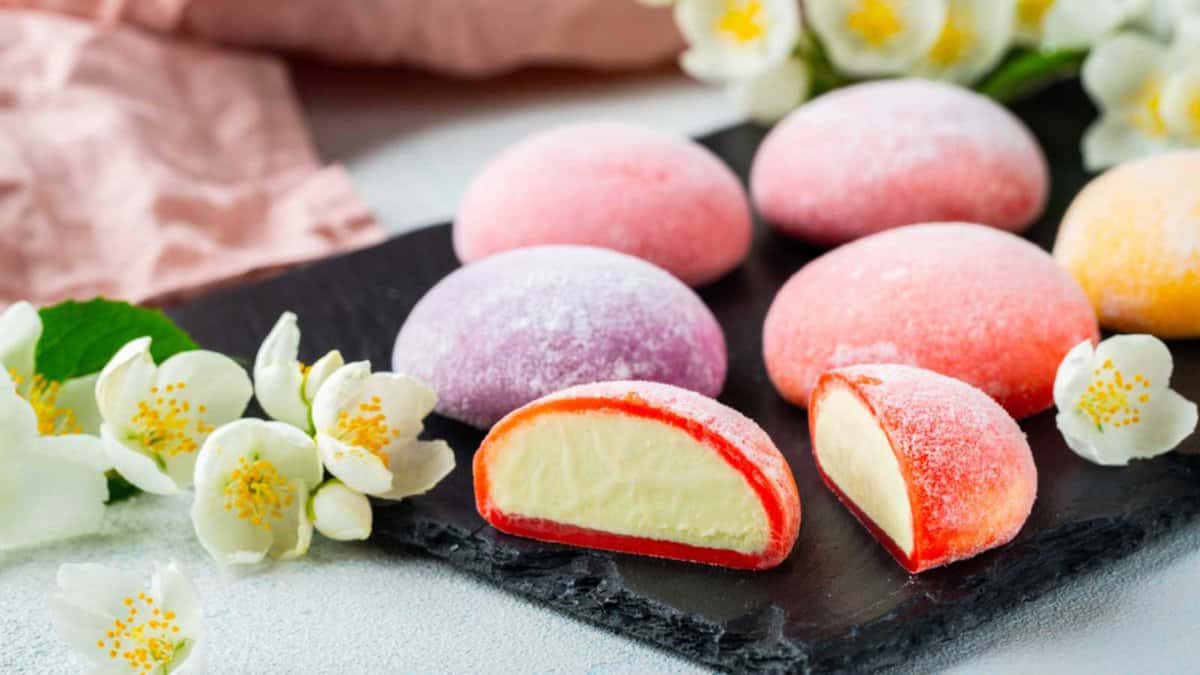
(140, 168)
(462, 37)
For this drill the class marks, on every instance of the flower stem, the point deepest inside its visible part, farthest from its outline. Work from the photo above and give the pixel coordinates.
(1025, 72)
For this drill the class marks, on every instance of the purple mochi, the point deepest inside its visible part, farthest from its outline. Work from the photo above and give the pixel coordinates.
(513, 327)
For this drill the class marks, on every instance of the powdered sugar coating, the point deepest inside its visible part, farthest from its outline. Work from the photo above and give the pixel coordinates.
(968, 467)
(1132, 240)
(499, 333)
(655, 196)
(883, 154)
(967, 301)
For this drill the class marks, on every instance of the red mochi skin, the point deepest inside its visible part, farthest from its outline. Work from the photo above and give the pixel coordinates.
(879, 155)
(968, 467)
(661, 198)
(968, 301)
(736, 438)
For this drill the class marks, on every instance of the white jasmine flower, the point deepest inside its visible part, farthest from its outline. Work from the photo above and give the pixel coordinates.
(253, 479)
(773, 93)
(731, 40)
(877, 37)
(1114, 404)
(1125, 77)
(367, 426)
(284, 386)
(1079, 24)
(341, 513)
(974, 37)
(52, 486)
(121, 625)
(61, 407)
(157, 417)
(1163, 17)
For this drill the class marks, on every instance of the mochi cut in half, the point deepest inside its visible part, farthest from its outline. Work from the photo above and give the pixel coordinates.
(640, 467)
(934, 468)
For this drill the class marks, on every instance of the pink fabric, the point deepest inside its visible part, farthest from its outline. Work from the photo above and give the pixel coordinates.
(463, 37)
(139, 168)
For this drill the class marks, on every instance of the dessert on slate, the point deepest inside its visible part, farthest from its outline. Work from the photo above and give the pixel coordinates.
(933, 467)
(968, 301)
(1132, 240)
(879, 155)
(642, 468)
(499, 333)
(659, 197)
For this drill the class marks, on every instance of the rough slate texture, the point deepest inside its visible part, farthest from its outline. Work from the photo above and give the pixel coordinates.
(839, 603)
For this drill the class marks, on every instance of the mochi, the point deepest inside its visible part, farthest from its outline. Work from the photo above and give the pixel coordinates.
(497, 334)
(1131, 238)
(659, 197)
(934, 468)
(968, 301)
(640, 467)
(879, 155)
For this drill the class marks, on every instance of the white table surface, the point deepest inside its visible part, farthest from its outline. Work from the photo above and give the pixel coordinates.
(411, 143)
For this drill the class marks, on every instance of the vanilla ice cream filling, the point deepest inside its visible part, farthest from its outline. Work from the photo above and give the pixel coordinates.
(627, 475)
(856, 455)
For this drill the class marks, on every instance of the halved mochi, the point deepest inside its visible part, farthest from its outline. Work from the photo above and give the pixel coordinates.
(640, 467)
(934, 468)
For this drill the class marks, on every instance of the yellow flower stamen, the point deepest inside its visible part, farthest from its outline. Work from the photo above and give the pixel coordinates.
(876, 21)
(42, 396)
(1147, 113)
(953, 42)
(1031, 13)
(1194, 115)
(258, 492)
(742, 20)
(367, 428)
(1110, 397)
(146, 646)
(166, 426)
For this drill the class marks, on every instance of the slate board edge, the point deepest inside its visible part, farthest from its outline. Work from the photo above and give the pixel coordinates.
(585, 585)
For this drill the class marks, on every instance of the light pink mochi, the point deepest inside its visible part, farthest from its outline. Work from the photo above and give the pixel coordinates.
(658, 197)
(883, 154)
(967, 301)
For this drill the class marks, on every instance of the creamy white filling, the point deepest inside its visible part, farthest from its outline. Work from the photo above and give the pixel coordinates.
(629, 475)
(855, 454)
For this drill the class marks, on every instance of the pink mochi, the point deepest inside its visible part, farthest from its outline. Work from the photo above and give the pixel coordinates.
(661, 198)
(505, 331)
(967, 301)
(884, 154)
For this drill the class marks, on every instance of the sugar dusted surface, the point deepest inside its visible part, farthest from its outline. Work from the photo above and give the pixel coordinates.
(659, 197)
(884, 154)
(499, 333)
(1132, 240)
(964, 300)
(970, 471)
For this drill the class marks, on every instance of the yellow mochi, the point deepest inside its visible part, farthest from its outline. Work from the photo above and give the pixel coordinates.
(1132, 240)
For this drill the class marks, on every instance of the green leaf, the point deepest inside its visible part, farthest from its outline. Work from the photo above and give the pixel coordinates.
(119, 489)
(78, 338)
(1026, 72)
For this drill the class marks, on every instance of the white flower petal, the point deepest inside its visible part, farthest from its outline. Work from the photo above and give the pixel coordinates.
(1134, 355)
(291, 451)
(355, 467)
(278, 380)
(125, 381)
(335, 395)
(79, 396)
(292, 532)
(79, 627)
(1030, 16)
(81, 449)
(20, 330)
(418, 467)
(44, 499)
(772, 94)
(340, 513)
(1112, 141)
(1117, 71)
(17, 419)
(974, 37)
(1074, 375)
(213, 380)
(404, 400)
(1168, 421)
(134, 465)
(1077, 24)
(1164, 16)
(228, 539)
(97, 588)
(733, 39)
(320, 371)
(1181, 104)
(876, 37)
(176, 592)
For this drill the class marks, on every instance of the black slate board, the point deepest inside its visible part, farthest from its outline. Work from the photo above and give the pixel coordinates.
(839, 603)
